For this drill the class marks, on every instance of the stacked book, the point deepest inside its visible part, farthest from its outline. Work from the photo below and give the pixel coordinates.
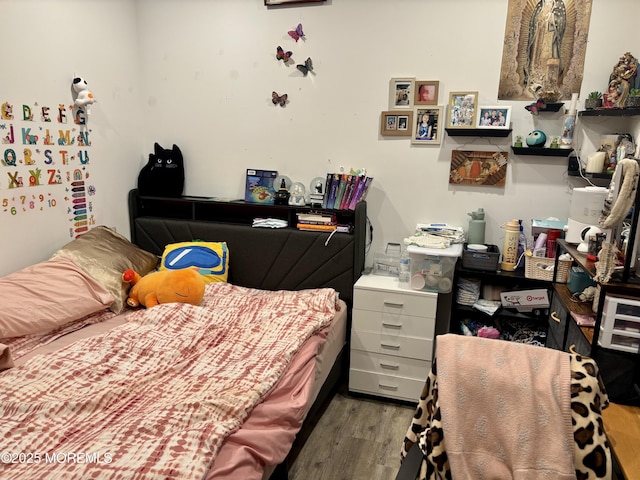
(316, 221)
(344, 190)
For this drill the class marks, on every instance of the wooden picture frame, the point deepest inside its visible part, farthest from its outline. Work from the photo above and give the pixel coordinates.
(269, 3)
(481, 168)
(427, 130)
(462, 109)
(426, 92)
(396, 123)
(401, 93)
(494, 117)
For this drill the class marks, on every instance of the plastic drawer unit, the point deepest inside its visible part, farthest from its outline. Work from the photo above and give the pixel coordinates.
(620, 325)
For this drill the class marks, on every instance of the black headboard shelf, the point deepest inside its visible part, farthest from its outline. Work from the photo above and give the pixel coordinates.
(272, 259)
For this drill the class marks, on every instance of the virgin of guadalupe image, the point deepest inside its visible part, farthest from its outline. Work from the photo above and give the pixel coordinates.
(545, 63)
(544, 49)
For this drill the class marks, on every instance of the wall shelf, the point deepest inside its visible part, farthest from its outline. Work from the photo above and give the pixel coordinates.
(552, 107)
(542, 151)
(478, 132)
(610, 112)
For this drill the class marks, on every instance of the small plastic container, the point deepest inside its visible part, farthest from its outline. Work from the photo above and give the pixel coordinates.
(435, 266)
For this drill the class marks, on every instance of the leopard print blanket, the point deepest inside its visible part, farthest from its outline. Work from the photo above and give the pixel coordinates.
(592, 454)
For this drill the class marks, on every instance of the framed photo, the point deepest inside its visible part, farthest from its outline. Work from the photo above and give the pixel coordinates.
(497, 116)
(427, 125)
(426, 92)
(462, 109)
(395, 123)
(401, 93)
(287, 2)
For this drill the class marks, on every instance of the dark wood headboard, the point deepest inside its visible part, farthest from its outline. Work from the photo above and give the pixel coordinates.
(265, 258)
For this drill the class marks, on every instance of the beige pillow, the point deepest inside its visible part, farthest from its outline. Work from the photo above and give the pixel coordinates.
(48, 295)
(105, 255)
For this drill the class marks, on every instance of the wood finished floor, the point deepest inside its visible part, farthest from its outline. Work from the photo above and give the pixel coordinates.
(355, 439)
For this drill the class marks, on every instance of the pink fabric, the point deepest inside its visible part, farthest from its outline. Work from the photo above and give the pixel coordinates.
(161, 392)
(48, 295)
(506, 410)
(267, 435)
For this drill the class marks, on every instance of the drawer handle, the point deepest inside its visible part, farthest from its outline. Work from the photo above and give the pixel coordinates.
(394, 366)
(389, 345)
(392, 325)
(387, 387)
(394, 304)
(555, 317)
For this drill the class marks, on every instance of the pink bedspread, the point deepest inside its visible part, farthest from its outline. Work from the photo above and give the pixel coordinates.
(157, 396)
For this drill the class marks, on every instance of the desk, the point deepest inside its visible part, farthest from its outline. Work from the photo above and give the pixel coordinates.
(622, 424)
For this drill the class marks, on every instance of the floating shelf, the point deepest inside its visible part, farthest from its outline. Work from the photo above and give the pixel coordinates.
(542, 151)
(610, 112)
(552, 107)
(478, 132)
(575, 173)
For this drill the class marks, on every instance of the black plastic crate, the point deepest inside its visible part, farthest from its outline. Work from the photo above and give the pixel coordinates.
(487, 261)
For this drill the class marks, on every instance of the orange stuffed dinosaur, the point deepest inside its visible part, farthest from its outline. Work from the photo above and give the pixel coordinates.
(166, 286)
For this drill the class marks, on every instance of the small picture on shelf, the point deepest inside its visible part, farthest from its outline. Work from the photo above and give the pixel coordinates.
(494, 117)
(462, 109)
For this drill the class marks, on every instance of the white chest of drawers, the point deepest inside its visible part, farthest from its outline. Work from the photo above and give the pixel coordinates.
(392, 338)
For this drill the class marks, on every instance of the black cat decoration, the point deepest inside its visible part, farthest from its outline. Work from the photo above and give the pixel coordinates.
(163, 175)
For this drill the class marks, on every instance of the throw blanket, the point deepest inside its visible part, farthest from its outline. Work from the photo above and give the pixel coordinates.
(155, 397)
(506, 409)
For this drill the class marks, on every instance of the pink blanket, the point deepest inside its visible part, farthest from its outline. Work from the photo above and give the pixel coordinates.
(506, 409)
(155, 397)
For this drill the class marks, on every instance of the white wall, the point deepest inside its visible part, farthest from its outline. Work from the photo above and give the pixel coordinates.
(43, 44)
(200, 74)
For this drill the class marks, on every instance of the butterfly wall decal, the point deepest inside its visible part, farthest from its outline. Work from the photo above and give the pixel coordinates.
(282, 55)
(296, 34)
(307, 67)
(535, 107)
(279, 99)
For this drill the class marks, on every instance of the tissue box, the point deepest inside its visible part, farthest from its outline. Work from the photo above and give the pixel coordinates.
(539, 226)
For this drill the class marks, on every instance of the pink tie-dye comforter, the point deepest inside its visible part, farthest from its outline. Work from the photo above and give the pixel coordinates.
(155, 397)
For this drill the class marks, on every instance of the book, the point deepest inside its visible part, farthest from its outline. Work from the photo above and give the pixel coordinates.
(327, 187)
(315, 228)
(341, 188)
(259, 186)
(356, 181)
(315, 217)
(358, 192)
(344, 203)
(333, 189)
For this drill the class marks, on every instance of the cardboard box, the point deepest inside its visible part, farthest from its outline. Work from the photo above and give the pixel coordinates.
(259, 187)
(525, 300)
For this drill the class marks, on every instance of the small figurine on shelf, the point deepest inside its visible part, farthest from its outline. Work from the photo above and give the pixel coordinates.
(281, 197)
(518, 142)
(554, 143)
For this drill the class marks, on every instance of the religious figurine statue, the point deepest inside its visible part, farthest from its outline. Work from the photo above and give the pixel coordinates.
(624, 72)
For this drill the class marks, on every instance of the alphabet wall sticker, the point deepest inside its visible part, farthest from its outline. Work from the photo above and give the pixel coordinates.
(45, 160)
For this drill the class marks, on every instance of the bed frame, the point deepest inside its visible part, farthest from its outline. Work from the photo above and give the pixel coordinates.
(264, 258)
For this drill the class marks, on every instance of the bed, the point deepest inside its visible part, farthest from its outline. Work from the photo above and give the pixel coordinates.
(285, 307)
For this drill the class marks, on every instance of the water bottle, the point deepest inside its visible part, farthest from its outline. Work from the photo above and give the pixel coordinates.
(404, 275)
(510, 247)
(475, 235)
